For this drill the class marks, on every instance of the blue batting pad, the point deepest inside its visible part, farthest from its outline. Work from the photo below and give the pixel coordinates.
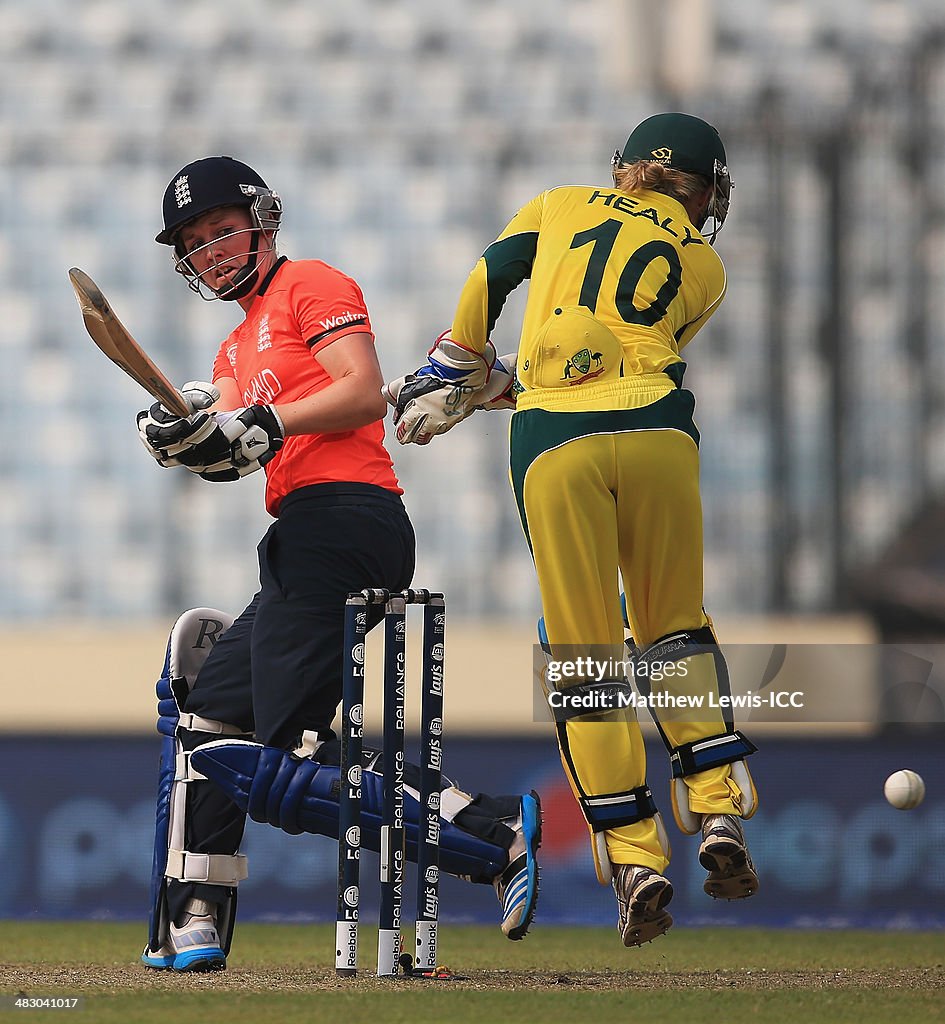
(301, 795)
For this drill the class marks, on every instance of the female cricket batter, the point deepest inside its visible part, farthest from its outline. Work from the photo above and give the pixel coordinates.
(297, 390)
(605, 470)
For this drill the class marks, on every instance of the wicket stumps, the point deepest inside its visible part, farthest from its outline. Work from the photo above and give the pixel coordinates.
(392, 852)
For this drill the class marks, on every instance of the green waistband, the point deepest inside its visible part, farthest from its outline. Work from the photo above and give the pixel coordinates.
(535, 431)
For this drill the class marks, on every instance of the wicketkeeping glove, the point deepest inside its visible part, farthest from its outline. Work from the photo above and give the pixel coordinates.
(423, 409)
(453, 364)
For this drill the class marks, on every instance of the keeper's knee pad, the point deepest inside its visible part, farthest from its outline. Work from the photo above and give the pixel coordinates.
(604, 811)
(729, 747)
(190, 642)
(615, 810)
(301, 795)
(583, 702)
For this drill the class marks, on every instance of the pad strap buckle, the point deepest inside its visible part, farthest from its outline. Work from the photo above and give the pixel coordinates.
(214, 868)
(712, 752)
(614, 810)
(184, 770)
(194, 723)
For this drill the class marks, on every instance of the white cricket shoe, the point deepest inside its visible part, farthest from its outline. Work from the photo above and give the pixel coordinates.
(642, 897)
(160, 959)
(517, 886)
(724, 854)
(195, 942)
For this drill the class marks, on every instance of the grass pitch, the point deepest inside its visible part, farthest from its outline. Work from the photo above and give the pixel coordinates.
(556, 975)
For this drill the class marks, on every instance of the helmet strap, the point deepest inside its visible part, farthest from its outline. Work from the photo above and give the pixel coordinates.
(245, 277)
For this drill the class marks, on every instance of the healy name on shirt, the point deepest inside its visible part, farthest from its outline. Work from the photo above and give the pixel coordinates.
(301, 308)
(619, 285)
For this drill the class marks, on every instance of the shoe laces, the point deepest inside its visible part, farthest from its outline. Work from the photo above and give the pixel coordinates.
(627, 877)
(726, 825)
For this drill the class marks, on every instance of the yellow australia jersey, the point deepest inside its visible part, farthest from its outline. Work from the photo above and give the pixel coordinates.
(619, 285)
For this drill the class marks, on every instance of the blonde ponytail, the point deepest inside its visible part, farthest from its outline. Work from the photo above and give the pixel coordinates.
(657, 177)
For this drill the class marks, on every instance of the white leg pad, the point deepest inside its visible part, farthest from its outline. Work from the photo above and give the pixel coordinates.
(741, 776)
(602, 864)
(605, 873)
(690, 821)
(663, 835)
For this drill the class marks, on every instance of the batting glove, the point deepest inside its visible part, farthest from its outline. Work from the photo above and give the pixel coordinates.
(225, 471)
(161, 431)
(242, 441)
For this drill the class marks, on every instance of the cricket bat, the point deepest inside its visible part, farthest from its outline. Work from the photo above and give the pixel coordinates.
(108, 332)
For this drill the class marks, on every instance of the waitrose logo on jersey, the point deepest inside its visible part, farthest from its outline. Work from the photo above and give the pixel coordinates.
(331, 322)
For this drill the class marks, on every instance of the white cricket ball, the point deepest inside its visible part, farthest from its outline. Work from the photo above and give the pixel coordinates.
(905, 789)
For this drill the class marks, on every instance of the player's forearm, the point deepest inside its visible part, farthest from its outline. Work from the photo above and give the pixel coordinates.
(346, 404)
(502, 268)
(470, 327)
(230, 396)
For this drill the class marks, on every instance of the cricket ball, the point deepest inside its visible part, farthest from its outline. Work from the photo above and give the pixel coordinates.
(904, 789)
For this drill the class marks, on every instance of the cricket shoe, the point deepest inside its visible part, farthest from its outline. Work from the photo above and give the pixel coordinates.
(642, 897)
(195, 942)
(725, 856)
(517, 886)
(161, 959)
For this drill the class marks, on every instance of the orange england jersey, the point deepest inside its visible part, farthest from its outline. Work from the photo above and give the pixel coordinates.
(303, 307)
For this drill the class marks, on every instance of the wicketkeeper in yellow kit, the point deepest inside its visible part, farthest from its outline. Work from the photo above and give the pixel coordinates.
(605, 470)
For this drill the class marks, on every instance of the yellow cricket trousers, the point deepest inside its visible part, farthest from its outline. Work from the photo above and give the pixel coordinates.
(607, 492)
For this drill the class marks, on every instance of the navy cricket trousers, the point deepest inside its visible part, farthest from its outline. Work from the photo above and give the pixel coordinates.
(276, 672)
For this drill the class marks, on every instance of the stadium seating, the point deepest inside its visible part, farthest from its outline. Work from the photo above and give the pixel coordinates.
(402, 136)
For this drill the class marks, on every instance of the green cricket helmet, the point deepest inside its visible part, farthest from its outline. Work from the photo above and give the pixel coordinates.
(686, 143)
